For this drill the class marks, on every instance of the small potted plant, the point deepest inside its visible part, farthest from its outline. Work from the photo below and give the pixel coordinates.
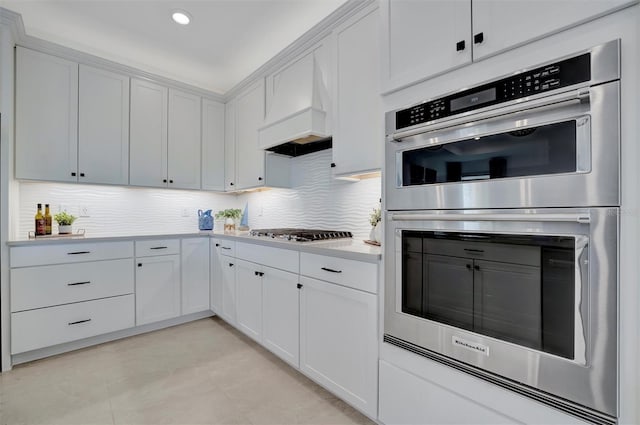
(64, 220)
(376, 228)
(230, 216)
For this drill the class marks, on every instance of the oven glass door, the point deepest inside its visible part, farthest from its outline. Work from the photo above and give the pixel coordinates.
(516, 288)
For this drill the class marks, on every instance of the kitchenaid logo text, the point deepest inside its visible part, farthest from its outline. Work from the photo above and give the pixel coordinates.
(474, 346)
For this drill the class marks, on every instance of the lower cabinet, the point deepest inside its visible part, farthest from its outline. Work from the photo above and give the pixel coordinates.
(195, 275)
(281, 314)
(338, 341)
(45, 327)
(216, 276)
(157, 288)
(249, 298)
(228, 281)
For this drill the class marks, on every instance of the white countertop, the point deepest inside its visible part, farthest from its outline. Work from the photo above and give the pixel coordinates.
(353, 249)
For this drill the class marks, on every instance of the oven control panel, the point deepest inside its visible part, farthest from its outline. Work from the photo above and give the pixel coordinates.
(527, 83)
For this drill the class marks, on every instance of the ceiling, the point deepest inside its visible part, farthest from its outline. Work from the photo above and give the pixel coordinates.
(224, 43)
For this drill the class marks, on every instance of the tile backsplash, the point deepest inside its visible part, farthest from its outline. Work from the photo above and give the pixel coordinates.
(315, 201)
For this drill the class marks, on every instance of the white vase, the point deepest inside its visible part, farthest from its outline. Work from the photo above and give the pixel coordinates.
(64, 229)
(229, 225)
(377, 232)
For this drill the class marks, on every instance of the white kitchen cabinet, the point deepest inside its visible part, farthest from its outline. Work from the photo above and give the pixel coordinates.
(103, 127)
(157, 288)
(357, 139)
(249, 298)
(230, 145)
(280, 314)
(228, 311)
(195, 275)
(250, 160)
(507, 24)
(148, 134)
(46, 121)
(213, 145)
(338, 341)
(184, 146)
(216, 276)
(421, 39)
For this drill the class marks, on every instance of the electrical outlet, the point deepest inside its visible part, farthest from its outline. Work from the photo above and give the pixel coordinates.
(185, 212)
(84, 211)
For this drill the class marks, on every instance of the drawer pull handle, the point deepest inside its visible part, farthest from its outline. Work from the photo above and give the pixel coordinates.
(331, 270)
(225, 247)
(79, 283)
(79, 321)
(78, 252)
(158, 247)
(474, 251)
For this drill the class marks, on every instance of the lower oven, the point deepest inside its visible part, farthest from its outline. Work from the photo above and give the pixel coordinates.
(526, 299)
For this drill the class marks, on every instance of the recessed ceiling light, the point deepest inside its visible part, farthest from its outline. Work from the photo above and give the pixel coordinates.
(181, 17)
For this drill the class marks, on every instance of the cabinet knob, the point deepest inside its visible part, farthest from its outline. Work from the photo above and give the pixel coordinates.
(333, 165)
(230, 264)
(476, 267)
(460, 45)
(139, 264)
(170, 181)
(231, 184)
(164, 180)
(256, 273)
(73, 174)
(217, 244)
(299, 286)
(478, 38)
(468, 266)
(259, 178)
(81, 174)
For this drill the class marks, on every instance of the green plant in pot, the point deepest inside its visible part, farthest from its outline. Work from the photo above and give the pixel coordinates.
(64, 220)
(230, 216)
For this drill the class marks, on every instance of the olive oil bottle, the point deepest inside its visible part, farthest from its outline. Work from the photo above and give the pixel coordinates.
(47, 219)
(40, 222)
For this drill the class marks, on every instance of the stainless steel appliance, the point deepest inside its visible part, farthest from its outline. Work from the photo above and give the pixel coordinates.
(501, 249)
(301, 235)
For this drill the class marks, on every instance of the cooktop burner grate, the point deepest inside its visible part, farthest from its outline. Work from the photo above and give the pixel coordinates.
(301, 235)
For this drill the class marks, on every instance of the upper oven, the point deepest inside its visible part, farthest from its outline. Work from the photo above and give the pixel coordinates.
(547, 136)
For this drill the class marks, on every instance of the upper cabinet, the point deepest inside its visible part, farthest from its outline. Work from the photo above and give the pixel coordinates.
(249, 117)
(230, 145)
(357, 126)
(213, 149)
(148, 132)
(103, 127)
(422, 39)
(46, 117)
(184, 156)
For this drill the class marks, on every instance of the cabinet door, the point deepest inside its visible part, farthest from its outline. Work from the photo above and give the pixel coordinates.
(157, 288)
(46, 117)
(249, 299)
(184, 140)
(195, 275)
(508, 24)
(357, 145)
(228, 311)
(213, 152)
(338, 341)
(421, 39)
(280, 314)
(103, 127)
(508, 303)
(216, 276)
(230, 181)
(250, 117)
(148, 134)
(448, 292)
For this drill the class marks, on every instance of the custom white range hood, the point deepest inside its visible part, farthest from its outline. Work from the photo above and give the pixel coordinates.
(298, 113)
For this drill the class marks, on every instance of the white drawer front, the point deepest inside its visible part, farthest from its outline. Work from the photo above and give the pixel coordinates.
(44, 286)
(226, 247)
(149, 248)
(41, 255)
(45, 327)
(354, 274)
(278, 258)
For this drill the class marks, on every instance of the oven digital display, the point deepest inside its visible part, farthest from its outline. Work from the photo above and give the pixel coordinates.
(474, 99)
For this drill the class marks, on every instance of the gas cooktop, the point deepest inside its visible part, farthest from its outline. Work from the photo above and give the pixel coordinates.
(301, 235)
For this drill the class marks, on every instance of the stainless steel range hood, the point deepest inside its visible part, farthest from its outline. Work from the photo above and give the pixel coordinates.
(298, 113)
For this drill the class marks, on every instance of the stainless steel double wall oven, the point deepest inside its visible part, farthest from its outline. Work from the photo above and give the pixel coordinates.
(502, 231)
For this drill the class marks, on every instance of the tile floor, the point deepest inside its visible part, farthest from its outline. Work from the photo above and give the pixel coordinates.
(204, 372)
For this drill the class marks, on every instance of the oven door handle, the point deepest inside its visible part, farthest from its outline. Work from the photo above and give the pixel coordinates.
(560, 218)
(582, 95)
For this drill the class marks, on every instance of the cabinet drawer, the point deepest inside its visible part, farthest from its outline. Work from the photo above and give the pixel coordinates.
(354, 274)
(278, 258)
(45, 327)
(44, 286)
(157, 247)
(504, 253)
(226, 247)
(41, 255)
